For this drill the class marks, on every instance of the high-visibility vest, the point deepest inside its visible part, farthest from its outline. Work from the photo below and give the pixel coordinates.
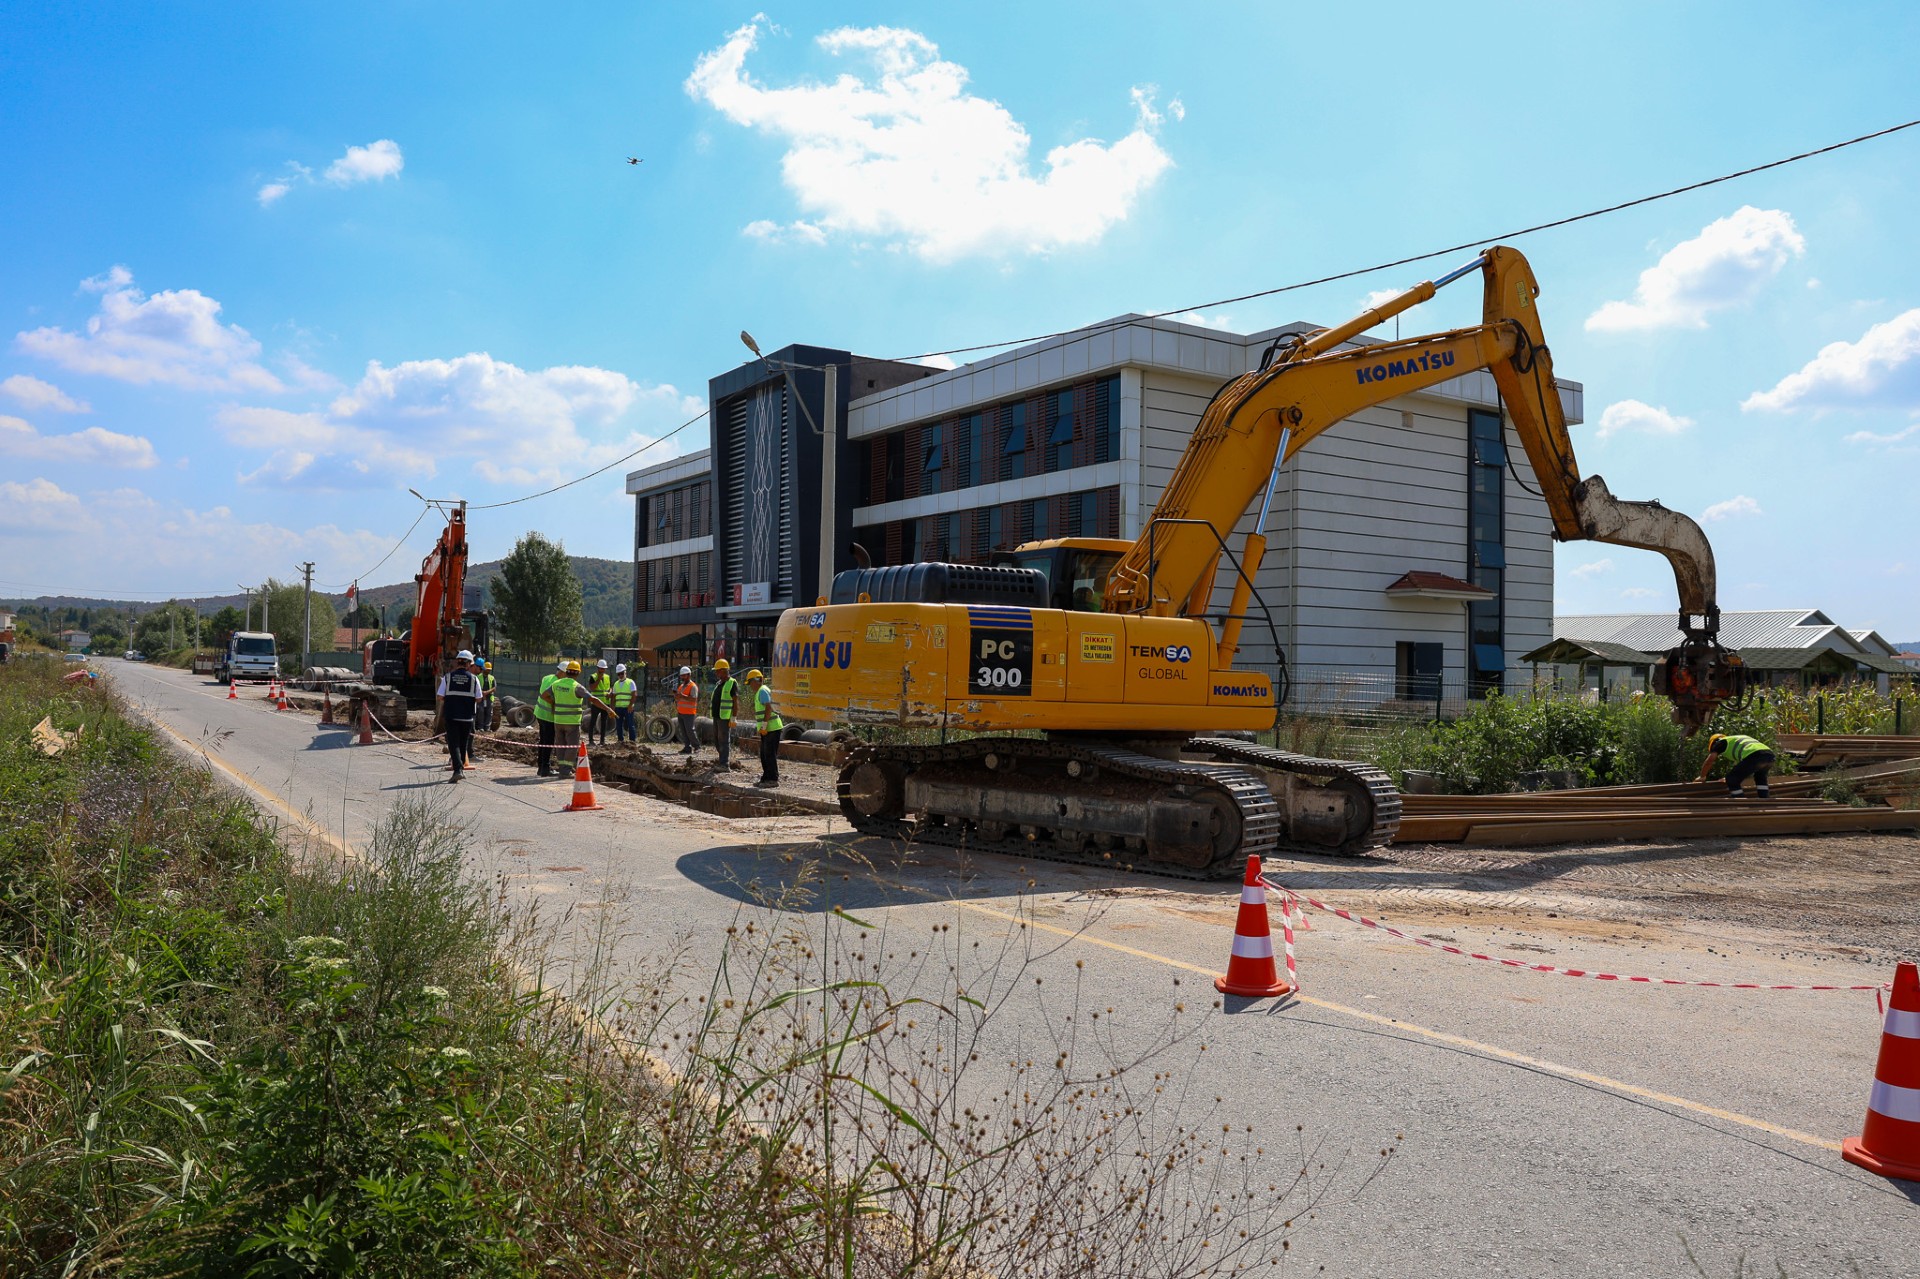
(568, 698)
(686, 698)
(540, 708)
(1739, 746)
(624, 693)
(763, 712)
(725, 698)
(601, 684)
(486, 684)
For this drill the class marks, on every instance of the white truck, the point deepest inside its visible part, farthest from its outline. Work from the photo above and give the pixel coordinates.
(249, 655)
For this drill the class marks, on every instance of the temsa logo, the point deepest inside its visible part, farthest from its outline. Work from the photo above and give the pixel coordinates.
(1172, 652)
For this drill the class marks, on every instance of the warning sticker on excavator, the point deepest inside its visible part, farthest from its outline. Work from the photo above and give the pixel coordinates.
(1096, 648)
(880, 632)
(803, 686)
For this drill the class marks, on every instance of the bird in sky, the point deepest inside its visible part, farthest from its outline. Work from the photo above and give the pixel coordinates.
(631, 160)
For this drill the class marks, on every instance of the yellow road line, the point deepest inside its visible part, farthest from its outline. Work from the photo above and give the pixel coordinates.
(287, 810)
(1437, 1036)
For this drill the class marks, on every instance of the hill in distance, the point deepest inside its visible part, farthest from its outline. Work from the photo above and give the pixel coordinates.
(606, 593)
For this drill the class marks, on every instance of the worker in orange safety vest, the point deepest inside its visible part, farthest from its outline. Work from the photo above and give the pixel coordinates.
(686, 704)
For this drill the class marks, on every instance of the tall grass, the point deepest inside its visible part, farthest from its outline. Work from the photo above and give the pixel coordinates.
(228, 1058)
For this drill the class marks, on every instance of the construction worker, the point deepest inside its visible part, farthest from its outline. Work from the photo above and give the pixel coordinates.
(568, 696)
(726, 699)
(601, 686)
(623, 695)
(458, 701)
(686, 704)
(770, 725)
(543, 721)
(489, 695)
(1746, 757)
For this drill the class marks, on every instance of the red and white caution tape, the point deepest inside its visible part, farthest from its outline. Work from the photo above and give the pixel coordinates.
(1290, 897)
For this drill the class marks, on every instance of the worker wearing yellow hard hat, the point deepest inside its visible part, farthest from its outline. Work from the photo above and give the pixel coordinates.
(1745, 756)
(768, 721)
(726, 700)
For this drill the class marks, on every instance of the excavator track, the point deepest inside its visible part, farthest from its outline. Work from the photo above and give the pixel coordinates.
(1100, 803)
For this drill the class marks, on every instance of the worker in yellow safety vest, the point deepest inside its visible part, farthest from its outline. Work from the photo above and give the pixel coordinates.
(771, 726)
(601, 686)
(543, 721)
(686, 704)
(624, 694)
(568, 697)
(726, 700)
(1746, 757)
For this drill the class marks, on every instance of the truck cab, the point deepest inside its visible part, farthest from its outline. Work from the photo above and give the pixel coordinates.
(249, 655)
(1076, 568)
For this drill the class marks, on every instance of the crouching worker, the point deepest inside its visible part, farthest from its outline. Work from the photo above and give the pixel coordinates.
(1745, 756)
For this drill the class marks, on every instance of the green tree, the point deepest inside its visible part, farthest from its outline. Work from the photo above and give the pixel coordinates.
(164, 629)
(536, 597)
(215, 630)
(366, 617)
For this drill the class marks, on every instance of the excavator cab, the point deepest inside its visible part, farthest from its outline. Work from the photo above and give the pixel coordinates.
(1076, 568)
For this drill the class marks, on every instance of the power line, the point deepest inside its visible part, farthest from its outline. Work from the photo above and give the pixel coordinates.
(1432, 253)
(515, 501)
(424, 508)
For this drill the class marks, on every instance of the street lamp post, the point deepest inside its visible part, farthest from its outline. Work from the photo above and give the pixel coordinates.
(829, 447)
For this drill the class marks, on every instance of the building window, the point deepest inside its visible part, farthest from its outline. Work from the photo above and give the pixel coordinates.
(1106, 403)
(1060, 436)
(969, 447)
(1041, 510)
(931, 459)
(1486, 549)
(1014, 454)
(1083, 515)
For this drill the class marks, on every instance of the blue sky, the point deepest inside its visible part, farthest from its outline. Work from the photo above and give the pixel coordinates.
(262, 270)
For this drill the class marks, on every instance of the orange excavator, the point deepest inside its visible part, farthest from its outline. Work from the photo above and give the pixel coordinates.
(1097, 673)
(441, 628)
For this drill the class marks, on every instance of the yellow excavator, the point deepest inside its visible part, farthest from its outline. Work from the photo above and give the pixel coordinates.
(1108, 649)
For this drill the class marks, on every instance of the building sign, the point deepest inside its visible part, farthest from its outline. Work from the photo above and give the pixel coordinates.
(753, 592)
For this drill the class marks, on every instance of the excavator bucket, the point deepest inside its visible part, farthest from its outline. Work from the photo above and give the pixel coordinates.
(1698, 677)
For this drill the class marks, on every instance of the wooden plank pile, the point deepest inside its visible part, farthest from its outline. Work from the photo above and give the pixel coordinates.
(1816, 750)
(1695, 810)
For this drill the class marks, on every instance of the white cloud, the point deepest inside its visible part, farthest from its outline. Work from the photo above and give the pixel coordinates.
(1896, 437)
(911, 155)
(1379, 297)
(399, 425)
(1219, 320)
(1593, 568)
(32, 393)
(1638, 593)
(174, 338)
(796, 232)
(1632, 415)
(1881, 370)
(272, 191)
(92, 446)
(370, 163)
(1726, 264)
(1732, 508)
(40, 506)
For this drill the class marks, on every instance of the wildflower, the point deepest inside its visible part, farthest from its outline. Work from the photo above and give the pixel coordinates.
(455, 1054)
(435, 993)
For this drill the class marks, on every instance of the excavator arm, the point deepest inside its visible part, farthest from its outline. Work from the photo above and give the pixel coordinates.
(1307, 385)
(438, 631)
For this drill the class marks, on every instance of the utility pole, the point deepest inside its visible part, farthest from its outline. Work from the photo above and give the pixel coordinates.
(306, 636)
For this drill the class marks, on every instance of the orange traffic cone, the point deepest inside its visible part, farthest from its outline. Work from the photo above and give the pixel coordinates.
(1890, 1143)
(279, 696)
(582, 784)
(326, 707)
(233, 689)
(366, 724)
(1250, 969)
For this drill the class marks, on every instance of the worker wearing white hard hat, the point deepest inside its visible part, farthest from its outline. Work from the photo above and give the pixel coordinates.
(600, 684)
(624, 695)
(458, 698)
(686, 704)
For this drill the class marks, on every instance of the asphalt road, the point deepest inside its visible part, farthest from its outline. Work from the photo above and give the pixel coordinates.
(1540, 1125)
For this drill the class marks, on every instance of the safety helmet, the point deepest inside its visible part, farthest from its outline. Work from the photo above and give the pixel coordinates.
(602, 663)
(464, 655)
(721, 665)
(487, 665)
(620, 669)
(1715, 742)
(573, 668)
(755, 674)
(563, 666)
(686, 670)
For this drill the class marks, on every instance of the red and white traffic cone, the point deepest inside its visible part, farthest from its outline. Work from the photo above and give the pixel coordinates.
(326, 707)
(366, 723)
(1250, 969)
(279, 696)
(582, 784)
(233, 689)
(1890, 1143)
